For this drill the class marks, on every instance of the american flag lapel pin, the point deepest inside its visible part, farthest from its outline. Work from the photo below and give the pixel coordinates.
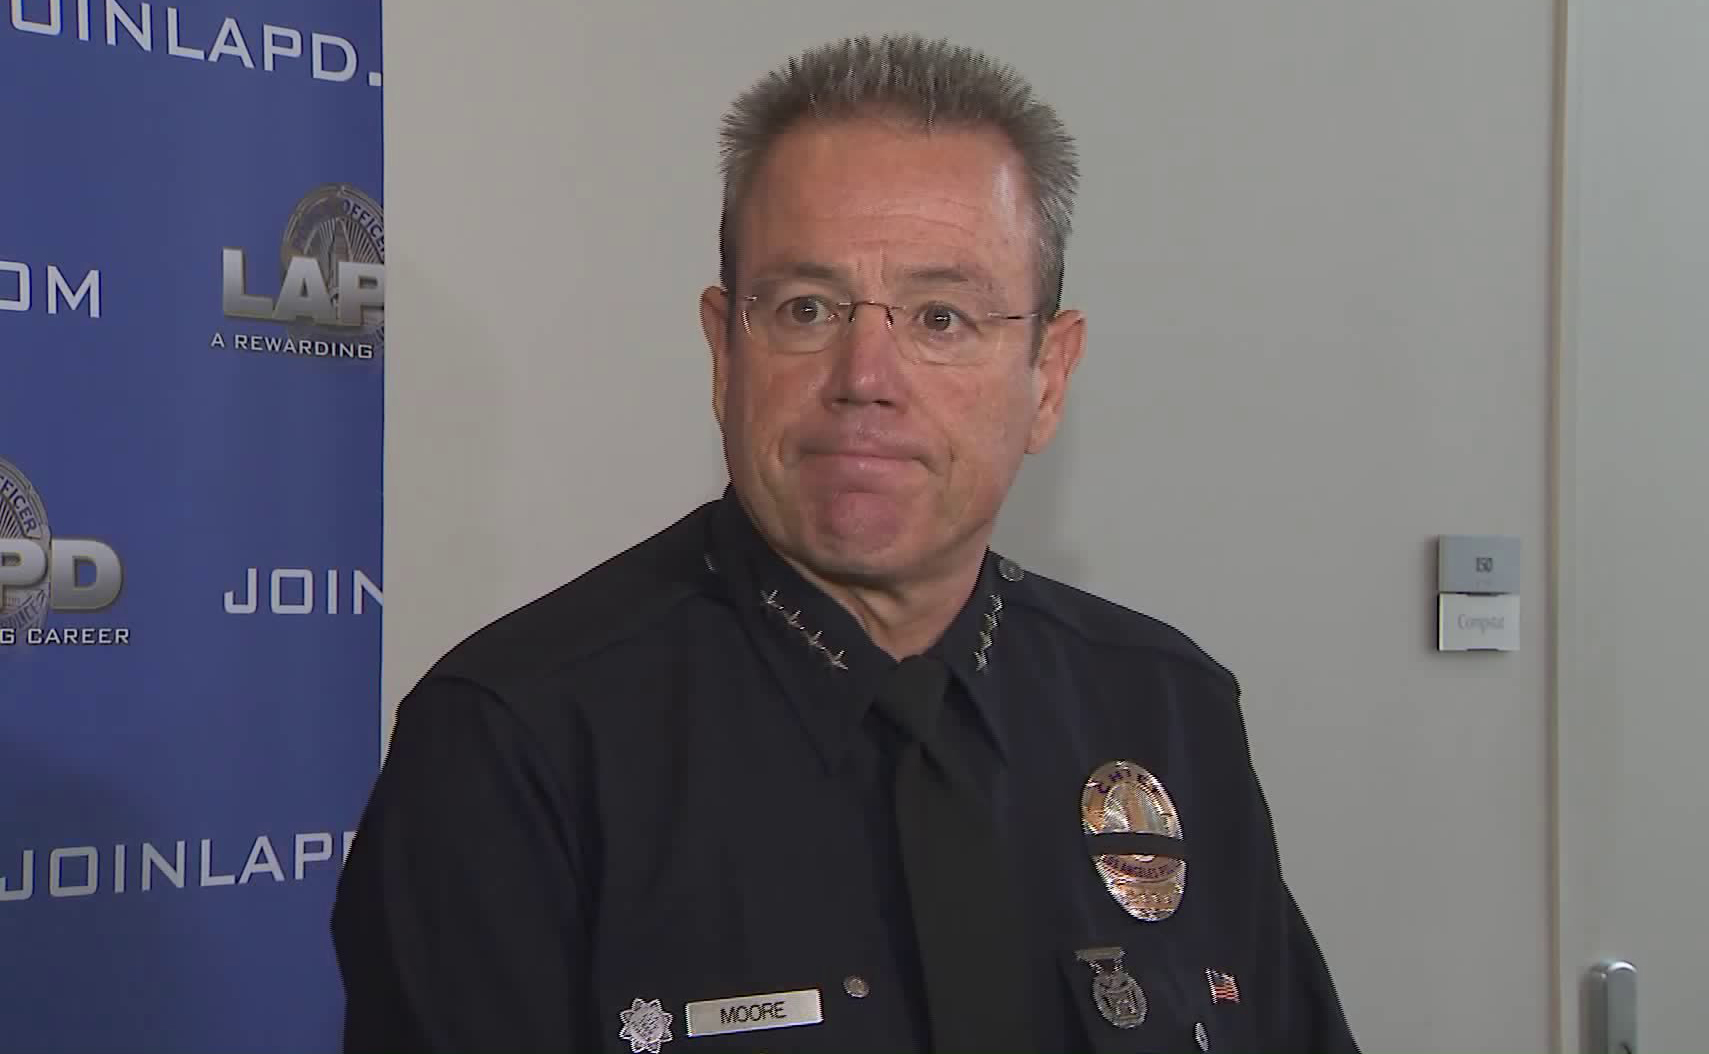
(1223, 987)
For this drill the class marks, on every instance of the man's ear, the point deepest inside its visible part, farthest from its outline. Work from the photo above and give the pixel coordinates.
(715, 323)
(1059, 353)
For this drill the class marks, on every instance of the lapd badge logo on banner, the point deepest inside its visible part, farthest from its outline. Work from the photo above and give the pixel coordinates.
(337, 226)
(24, 517)
(1120, 797)
(42, 575)
(332, 289)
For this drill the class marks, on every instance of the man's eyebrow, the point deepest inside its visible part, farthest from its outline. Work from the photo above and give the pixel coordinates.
(975, 277)
(936, 275)
(806, 269)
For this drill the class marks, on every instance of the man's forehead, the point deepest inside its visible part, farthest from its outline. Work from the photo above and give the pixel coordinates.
(877, 160)
(946, 207)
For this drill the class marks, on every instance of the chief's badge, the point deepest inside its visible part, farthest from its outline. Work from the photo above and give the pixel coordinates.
(646, 1025)
(1122, 798)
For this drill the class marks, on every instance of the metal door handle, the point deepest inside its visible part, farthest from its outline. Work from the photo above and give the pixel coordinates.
(1611, 1008)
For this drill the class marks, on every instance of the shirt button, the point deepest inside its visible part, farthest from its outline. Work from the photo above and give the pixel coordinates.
(856, 987)
(1199, 1034)
(1010, 570)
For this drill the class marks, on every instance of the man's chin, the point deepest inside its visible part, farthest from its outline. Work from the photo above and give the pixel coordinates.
(858, 523)
(857, 548)
(855, 568)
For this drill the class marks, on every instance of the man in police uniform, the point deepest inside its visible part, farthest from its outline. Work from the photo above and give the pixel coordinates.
(813, 769)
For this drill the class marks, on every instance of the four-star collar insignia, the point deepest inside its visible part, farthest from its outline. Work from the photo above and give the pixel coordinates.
(1007, 569)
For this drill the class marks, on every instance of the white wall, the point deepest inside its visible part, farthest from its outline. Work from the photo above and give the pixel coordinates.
(1313, 248)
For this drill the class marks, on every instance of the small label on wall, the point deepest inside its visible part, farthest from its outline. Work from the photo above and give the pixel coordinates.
(1477, 563)
(1470, 622)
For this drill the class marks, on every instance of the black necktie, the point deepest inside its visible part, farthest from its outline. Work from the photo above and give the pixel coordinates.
(958, 878)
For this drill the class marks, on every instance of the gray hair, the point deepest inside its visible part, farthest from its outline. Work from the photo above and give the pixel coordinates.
(931, 82)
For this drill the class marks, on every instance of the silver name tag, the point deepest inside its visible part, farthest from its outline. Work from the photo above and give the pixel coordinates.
(750, 1013)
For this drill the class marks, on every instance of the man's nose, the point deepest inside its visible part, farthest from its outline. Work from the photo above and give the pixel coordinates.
(868, 360)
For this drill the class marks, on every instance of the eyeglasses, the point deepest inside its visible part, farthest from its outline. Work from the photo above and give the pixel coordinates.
(945, 330)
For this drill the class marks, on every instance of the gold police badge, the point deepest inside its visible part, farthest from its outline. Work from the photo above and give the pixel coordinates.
(1123, 798)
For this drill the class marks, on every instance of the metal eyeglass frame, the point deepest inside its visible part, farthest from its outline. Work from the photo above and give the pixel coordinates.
(849, 306)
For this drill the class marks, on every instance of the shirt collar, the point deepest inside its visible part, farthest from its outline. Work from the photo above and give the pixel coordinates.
(828, 666)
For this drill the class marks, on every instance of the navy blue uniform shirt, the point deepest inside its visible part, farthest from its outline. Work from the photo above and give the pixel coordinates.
(664, 783)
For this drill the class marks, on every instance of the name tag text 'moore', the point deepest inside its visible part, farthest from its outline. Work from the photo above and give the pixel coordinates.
(749, 1013)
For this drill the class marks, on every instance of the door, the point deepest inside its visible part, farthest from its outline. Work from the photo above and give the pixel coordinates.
(1632, 507)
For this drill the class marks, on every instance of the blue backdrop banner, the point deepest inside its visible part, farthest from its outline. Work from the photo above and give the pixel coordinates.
(192, 292)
